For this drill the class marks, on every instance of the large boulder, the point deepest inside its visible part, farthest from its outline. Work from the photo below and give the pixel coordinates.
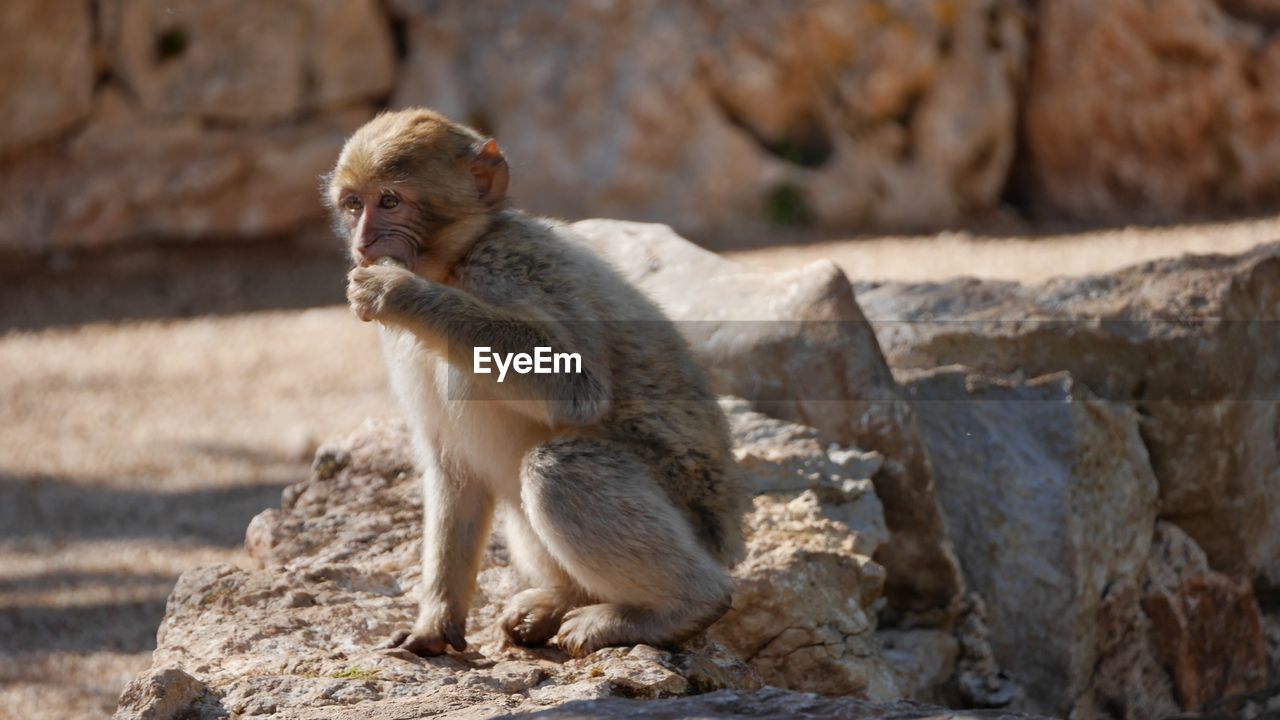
(796, 345)
(337, 564)
(46, 70)
(1050, 500)
(716, 115)
(1189, 342)
(1137, 109)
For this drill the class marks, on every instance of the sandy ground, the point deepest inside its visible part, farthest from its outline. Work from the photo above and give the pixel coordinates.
(132, 449)
(924, 258)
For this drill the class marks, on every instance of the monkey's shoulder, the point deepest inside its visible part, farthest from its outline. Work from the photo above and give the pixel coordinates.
(530, 259)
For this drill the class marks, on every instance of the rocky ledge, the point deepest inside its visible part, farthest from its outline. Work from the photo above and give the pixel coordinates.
(1056, 499)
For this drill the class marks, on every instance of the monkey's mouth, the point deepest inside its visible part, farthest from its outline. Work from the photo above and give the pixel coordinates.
(395, 248)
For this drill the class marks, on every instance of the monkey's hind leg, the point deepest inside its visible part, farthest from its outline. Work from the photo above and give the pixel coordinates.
(615, 532)
(532, 617)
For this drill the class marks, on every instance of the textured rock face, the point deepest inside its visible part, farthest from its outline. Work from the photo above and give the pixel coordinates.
(1156, 110)
(848, 113)
(1121, 613)
(1206, 625)
(706, 115)
(797, 346)
(246, 61)
(1189, 341)
(214, 120)
(1049, 499)
(338, 562)
(46, 84)
(127, 180)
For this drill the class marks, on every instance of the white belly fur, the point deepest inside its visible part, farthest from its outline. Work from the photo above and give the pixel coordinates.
(487, 437)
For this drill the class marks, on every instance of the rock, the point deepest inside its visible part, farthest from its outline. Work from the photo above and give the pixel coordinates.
(349, 53)
(1205, 625)
(766, 702)
(786, 459)
(46, 70)
(1189, 342)
(840, 114)
(801, 604)
(233, 61)
(248, 62)
(1049, 498)
(1152, 110)
(337, 564)
(1129, 681)
(161, 693)
(126, 179)
(922, 660)
(797, 346)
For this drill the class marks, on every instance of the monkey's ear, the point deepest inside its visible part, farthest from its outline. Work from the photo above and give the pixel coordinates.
(489, 171)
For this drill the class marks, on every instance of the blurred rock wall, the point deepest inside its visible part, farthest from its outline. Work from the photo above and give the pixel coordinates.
(145, 120)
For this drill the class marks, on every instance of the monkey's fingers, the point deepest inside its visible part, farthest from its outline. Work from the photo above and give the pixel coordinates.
(454, 633)
(396, 640)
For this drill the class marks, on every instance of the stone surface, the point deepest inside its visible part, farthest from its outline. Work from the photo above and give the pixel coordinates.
(1189, 342)
(46, 70)
(707, 115)
(797, 346)
(159, 694)
(786, 459)
(1153, 110)
(350, 54)
(767, 702)
(129, 179)
(1049, 498)
(240, 61)
(337, 564)
(1205, 625)
(235, 61)
(801, 613)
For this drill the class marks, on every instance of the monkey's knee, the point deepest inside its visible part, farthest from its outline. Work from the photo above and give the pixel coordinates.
(613, 529)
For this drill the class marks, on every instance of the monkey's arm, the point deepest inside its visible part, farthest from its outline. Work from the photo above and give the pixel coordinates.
(454, 322)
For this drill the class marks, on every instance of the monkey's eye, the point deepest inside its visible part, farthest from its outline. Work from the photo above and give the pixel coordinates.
(352, 204)
(388, 201)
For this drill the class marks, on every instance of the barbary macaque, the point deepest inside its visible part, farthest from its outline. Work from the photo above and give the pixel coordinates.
(615, 484)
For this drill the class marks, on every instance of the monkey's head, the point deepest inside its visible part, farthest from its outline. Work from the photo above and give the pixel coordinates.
(412, 186)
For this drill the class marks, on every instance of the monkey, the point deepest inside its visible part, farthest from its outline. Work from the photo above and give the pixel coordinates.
(615, 486)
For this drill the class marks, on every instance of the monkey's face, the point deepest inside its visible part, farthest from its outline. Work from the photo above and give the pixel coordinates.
(405, 180)
(382, 221)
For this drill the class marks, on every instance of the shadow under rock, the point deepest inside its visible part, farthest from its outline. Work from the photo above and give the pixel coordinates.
(47, 508)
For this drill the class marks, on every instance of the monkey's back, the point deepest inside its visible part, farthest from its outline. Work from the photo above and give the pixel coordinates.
(662, 408)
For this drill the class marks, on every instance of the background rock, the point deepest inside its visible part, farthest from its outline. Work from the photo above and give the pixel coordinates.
(843, 113)
(1154, 111)
(723, 120)
(46, 84)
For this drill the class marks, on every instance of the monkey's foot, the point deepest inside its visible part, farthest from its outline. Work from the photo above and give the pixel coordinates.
(533, 616)
(430, 637)
(592, 627)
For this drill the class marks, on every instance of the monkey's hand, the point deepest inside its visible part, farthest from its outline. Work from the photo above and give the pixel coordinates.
(436, 629)
(370, 290)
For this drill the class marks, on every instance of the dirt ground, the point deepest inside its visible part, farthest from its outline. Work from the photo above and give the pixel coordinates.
(145, 418)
